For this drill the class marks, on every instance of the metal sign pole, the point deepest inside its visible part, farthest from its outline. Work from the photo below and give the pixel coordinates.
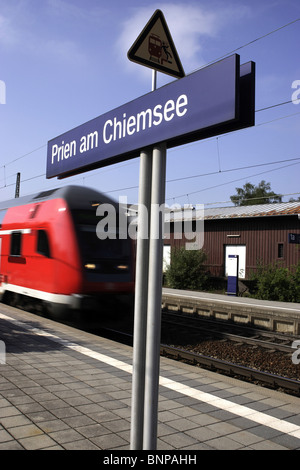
(141, 296)
(140, 306)
(154, 76)
(154, 297)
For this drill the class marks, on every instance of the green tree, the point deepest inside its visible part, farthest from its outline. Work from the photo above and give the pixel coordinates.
(187, 270)
(250, 194)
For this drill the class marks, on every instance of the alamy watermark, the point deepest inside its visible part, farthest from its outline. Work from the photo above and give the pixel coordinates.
(296, 93)
(296, 354)
(2, 92)
(296, 100)
(2, 352)
(184, 222)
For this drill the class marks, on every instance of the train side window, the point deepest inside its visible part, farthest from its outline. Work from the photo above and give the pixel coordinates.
(16, 244)
(43, 247)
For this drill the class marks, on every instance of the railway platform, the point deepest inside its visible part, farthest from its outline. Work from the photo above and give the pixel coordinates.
(280, 317)
(64, 389)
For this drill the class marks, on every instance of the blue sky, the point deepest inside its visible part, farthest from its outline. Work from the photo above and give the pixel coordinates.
(64, 62)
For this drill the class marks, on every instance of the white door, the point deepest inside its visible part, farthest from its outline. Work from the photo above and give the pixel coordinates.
(239, 250)
(166, 257)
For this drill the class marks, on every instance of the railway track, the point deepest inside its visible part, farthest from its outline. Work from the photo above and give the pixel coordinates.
(234, 370)
(200, 329)
(250, 354)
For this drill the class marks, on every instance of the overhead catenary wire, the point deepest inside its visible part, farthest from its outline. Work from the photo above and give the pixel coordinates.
(219, 58)
(233, 181)
(250, 42)
(251, 199)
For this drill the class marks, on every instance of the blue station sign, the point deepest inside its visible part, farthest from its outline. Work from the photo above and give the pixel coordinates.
(216, 99)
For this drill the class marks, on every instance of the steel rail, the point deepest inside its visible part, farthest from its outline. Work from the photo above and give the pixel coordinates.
(225, 367)
(240, 338)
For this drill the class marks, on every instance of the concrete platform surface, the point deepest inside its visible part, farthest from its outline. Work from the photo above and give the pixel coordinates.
(64, 389)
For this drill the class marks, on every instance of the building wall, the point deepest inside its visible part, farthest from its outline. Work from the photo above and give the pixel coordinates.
(266, 240)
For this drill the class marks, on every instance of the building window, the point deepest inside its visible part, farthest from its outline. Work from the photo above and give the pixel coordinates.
(280, 253)
(43, 247)
(15, 244)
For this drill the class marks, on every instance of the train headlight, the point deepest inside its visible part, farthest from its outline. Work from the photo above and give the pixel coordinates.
(90, 266)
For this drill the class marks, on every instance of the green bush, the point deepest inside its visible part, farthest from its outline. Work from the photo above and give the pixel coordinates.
(296, 283)
(274, 282)
(187, 270)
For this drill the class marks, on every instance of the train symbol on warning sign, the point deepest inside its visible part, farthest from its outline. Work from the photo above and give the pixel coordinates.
(155, 48)
(158, 50)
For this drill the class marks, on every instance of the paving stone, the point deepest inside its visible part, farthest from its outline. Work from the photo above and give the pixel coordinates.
(84, 444)
(53, 425)
(223, 428)
(37, 442)
(202, 434)
(5, 436)
(11, 445)
(182, 424)
(4, 403)
(246, 438)
(224, 443)
(66, 435)
(179, 440)
(92, 430)
(65, 412)
(166, 416)
(8, 411)
(117, 425)
(29, 430)
(40, 416)
(77, 421)
(31, 407)
(90, 408)
(13, 421)
(267, 445)
(109, 441)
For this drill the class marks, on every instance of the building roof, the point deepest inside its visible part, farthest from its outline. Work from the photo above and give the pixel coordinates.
(259, 210)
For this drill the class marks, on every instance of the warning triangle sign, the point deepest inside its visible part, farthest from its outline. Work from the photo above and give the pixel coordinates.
(154, 48)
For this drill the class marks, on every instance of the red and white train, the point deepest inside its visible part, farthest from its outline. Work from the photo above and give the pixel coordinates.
(50, 253)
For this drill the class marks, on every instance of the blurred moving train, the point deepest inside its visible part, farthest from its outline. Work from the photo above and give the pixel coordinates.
(50, 254)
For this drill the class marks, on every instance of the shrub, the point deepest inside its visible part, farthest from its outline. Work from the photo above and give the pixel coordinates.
(273, 282)
(296, 283)
(186, 270)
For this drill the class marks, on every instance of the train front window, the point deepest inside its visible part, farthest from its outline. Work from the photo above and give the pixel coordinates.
(108, 256)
